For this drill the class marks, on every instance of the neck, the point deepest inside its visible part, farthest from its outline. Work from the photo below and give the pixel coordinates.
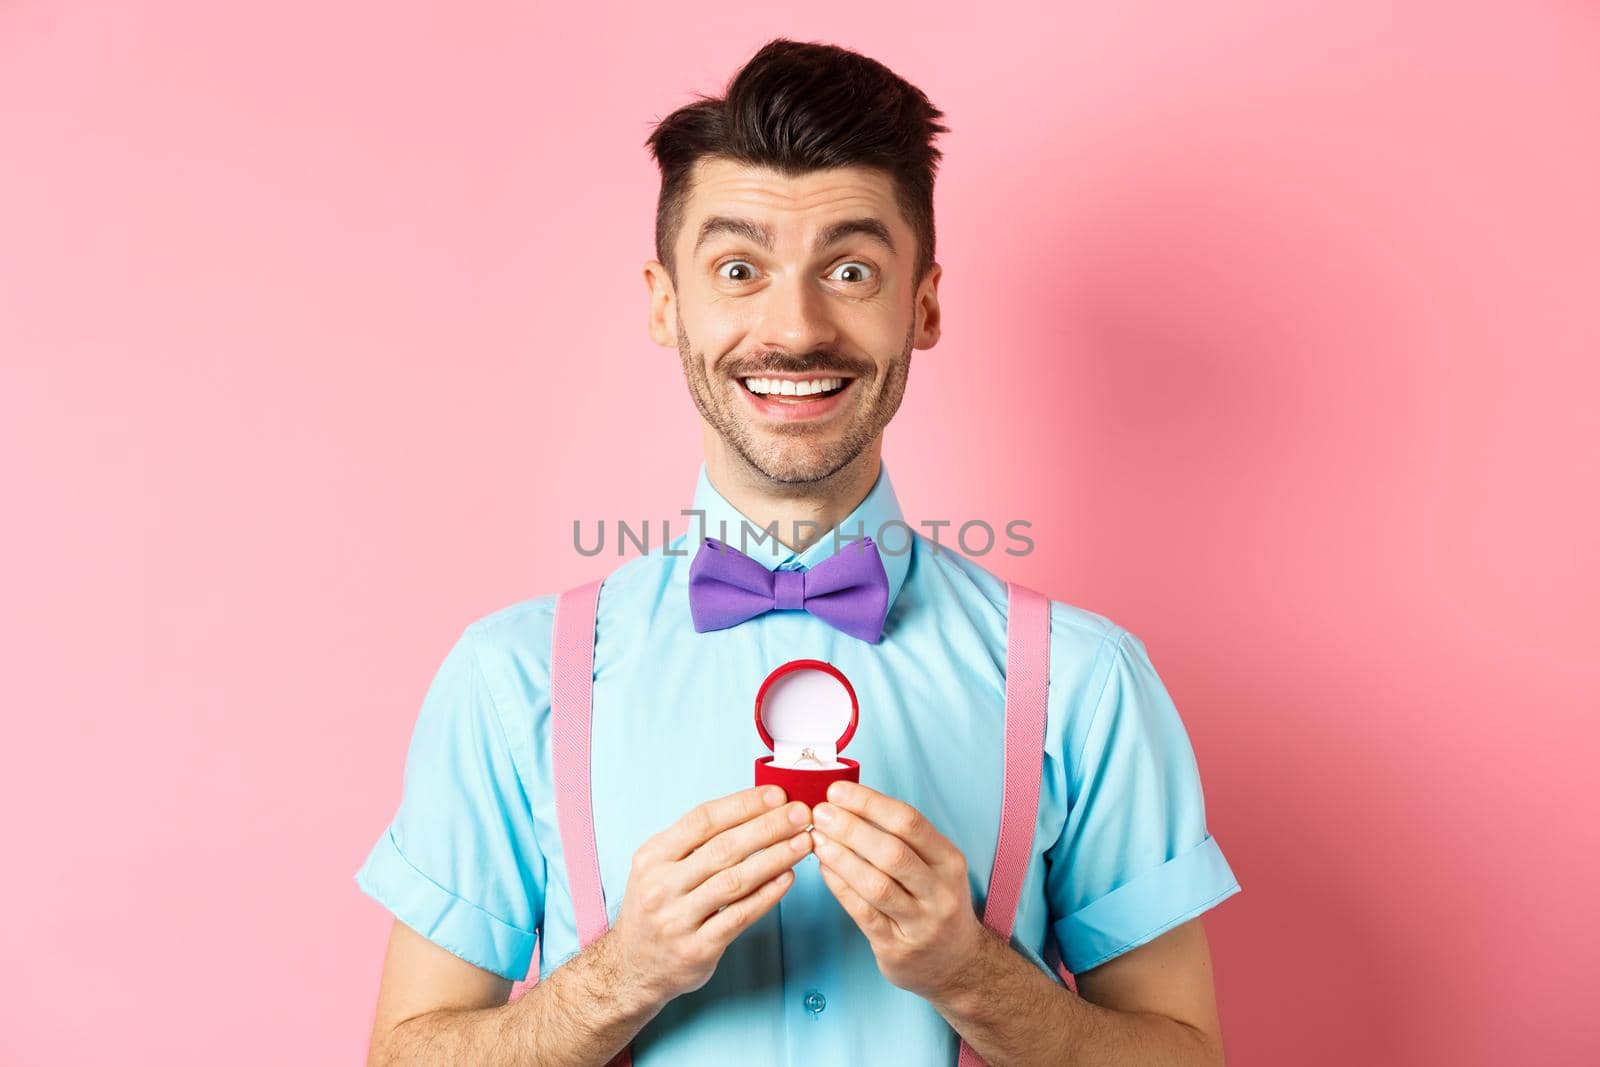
(804, 511)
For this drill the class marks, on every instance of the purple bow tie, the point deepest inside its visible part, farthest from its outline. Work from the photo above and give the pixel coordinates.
(849, 590)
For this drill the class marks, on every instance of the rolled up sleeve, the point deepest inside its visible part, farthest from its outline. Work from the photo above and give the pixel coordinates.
(1134, 858)
(459, 863)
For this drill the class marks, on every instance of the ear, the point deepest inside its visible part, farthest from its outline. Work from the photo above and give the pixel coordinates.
(663, 305)
(926, 309)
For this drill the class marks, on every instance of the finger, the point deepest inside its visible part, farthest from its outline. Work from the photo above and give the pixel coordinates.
(727, 924)
(731, 883)
(871, 884)
(733, 845)
(897, 817)
(705, 821)
(874, 923)
(883, 850)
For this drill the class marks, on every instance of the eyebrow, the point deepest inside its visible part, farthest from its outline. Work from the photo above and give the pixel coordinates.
(756, 233)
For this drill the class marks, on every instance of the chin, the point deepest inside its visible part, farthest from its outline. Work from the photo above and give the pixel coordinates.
(783, 461)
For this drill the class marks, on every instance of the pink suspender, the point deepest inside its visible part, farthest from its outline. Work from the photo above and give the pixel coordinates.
(1027, 674)
(571, 705)
(571, 690)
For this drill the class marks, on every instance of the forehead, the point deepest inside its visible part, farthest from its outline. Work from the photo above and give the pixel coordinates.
(792, 205)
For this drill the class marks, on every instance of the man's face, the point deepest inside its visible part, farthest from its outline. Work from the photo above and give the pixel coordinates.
(793, 312)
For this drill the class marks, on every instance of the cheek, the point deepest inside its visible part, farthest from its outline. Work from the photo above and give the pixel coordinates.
(712, 334)
(883, 341)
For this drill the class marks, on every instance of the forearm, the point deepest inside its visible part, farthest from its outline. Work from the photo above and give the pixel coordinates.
(1015, 1015)
(581, 1016)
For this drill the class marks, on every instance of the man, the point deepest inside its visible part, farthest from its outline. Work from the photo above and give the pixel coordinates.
(795, 274)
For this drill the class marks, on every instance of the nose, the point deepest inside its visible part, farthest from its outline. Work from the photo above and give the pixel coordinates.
(795, 317)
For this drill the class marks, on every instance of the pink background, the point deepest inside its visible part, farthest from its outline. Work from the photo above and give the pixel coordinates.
(1280, 327)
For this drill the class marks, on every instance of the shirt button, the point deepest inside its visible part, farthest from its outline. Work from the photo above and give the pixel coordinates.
(815, 1001)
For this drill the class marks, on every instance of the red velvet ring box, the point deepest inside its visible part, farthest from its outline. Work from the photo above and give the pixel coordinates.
(806, 712)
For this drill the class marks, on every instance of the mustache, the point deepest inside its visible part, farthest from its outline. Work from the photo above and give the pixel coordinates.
(831, 366)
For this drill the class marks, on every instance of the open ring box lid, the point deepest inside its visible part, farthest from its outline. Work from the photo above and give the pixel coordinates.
(807, 704)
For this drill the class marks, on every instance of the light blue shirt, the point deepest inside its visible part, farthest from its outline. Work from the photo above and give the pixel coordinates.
(473, 861)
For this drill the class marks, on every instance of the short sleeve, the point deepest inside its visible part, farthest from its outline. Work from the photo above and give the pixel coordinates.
(459, 863)
(1134, 858)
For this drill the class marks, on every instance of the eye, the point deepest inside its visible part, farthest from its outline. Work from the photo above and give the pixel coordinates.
(862, 271)
(748, 269)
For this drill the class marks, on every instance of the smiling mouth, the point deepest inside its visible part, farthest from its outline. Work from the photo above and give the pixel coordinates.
(795, 390)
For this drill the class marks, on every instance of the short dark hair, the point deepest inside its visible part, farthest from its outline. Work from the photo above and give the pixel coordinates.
(799, 106)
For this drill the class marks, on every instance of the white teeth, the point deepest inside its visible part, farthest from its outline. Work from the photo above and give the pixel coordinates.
(786, 387)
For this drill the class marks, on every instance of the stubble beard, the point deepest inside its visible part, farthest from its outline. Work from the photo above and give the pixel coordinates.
(793, 454)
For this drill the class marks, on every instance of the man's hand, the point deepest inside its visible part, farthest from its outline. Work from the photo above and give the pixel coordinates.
(903, 882)
(701, 882)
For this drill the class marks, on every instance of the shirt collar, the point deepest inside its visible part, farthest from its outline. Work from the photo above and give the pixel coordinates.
(878, 516)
